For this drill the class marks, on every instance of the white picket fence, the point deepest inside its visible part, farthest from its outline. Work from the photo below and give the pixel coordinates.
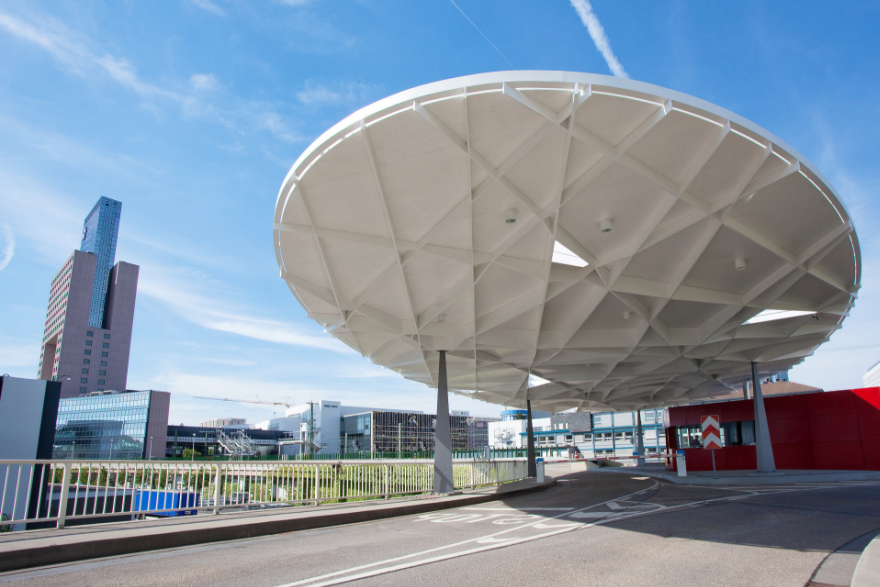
(47, 493)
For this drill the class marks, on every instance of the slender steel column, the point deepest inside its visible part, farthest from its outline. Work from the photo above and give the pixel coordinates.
(746, 389)
(530, 435)
(443, 480)
(763, 448)
(640, 440)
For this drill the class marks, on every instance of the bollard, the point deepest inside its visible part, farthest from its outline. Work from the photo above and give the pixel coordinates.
(681, 466)
(539, 462)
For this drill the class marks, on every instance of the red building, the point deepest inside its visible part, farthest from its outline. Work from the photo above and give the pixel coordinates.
(823, 430)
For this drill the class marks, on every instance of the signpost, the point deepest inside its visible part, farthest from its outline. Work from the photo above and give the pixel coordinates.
(711, 437)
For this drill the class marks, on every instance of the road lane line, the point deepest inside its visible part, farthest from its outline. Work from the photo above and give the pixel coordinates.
(439, 548)
(496, 543)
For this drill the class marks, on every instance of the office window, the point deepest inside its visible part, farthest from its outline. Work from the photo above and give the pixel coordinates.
(106, 336)
(100, 382)
(103, 363)
(85, 371)
(104, 354)
(88, 352)
(90, 333)
(102, 372)
(106, 345)
(83, 380)
(85, 361)
(82, 389)
(88, 343)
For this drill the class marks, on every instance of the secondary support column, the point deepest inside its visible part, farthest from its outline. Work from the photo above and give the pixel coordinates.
(763, 448)
(640, 440)
(530, 435)
(443, 480)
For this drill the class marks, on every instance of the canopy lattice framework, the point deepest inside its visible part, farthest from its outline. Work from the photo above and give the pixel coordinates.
(393, 231)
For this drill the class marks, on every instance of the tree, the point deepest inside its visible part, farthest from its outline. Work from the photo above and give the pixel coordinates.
(188, 453)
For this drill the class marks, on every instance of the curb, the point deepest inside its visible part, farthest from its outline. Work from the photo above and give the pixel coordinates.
(90, 549)
(867, 572)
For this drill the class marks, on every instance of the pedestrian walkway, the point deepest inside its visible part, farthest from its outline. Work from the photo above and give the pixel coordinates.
(35, 548)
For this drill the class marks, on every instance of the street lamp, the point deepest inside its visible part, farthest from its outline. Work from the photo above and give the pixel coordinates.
(194, 448)
(73, 451)
(150, 453)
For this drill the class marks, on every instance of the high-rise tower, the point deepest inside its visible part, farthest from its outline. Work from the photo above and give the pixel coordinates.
(99, 237)
(87, 338)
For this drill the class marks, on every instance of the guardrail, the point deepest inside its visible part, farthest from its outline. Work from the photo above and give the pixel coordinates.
(44, 494)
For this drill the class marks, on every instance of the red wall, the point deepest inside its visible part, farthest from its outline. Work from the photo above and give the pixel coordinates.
(822, 430)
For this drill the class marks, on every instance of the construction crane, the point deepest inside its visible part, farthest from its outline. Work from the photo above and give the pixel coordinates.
(286, 404)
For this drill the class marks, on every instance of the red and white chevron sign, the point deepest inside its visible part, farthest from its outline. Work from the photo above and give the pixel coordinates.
(711, 432)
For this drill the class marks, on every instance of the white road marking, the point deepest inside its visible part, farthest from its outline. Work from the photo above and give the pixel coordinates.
(311, 580)
(493, 542)
(511, 509)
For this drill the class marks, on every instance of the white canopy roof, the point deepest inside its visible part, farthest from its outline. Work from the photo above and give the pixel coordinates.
(612, 238)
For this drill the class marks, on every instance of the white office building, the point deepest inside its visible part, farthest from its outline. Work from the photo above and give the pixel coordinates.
(872, 377)
(325, 416)
(592, 435)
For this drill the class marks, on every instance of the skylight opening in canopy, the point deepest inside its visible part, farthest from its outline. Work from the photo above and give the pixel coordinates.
(768, 315)
(535, 381)
(562, 255)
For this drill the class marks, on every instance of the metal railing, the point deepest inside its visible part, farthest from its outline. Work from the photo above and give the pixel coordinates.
(47, 493)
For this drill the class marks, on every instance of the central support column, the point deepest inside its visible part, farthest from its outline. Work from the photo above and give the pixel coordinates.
(640, 440)
(530, 436)
(763, 448)
(443, 480)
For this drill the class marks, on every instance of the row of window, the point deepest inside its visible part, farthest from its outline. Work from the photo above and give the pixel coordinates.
(86, 380)
(92, 333)
(101, 372)
(106, 345)
(88, 352)
(87, 361)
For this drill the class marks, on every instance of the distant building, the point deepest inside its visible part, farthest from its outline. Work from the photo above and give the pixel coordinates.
(210, 440)
(478, 432)
(225, 423)
(590, 434)
(87, 336)
(872, 377)
(325, 418)
(386, 431)
(115, 425)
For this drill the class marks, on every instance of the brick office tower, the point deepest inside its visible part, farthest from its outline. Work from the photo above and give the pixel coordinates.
(91, 309)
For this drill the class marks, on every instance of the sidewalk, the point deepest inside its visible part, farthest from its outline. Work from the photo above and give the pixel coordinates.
(744, 477)
(867, 573)
(21, 550)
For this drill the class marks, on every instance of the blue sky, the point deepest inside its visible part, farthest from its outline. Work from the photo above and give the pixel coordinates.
(191, 112)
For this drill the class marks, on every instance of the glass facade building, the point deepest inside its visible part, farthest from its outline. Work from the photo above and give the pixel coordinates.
(100, 231)
(110, 425)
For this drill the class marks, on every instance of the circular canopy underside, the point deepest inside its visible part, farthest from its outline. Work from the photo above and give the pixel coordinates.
(618, 241)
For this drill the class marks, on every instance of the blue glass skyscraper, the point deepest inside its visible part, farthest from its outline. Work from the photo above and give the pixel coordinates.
(100, 231)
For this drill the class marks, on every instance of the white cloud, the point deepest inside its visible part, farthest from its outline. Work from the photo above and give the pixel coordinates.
(75, 57)
(316, 94)
(203, 82)
(208, 6)
(9, 249)
(197, 298)
(597, 33)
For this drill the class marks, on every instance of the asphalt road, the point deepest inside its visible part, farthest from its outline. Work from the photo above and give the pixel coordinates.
(591, 529)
